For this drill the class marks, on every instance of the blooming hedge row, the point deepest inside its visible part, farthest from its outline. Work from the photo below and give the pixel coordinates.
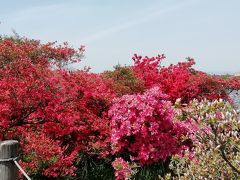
(122, 119)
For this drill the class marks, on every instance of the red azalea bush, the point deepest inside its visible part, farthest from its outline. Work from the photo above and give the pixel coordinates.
(181, 80)
(67, 109)
(58, 106)
(16, 49)
(43, 154)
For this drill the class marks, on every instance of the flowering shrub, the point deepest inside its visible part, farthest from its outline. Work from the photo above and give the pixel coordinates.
(53, 162)
(143, 126)
(16, 49)
(123, 170)
(216, 148)
(181, 80)
(124, 81)
(68, 110)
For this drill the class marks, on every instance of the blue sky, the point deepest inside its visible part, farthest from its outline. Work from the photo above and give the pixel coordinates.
(113, 30)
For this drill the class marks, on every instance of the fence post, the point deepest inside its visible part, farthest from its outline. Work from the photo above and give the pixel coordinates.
(8, 150)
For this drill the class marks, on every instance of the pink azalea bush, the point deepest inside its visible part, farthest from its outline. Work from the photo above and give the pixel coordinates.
(142, 125)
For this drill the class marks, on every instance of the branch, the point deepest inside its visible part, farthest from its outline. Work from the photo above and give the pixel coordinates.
(223, 155)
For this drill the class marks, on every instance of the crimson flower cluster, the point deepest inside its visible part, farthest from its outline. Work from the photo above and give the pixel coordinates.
(181, 80)
(55, 114)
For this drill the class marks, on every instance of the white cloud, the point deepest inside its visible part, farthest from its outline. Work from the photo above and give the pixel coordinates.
(136, 21)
